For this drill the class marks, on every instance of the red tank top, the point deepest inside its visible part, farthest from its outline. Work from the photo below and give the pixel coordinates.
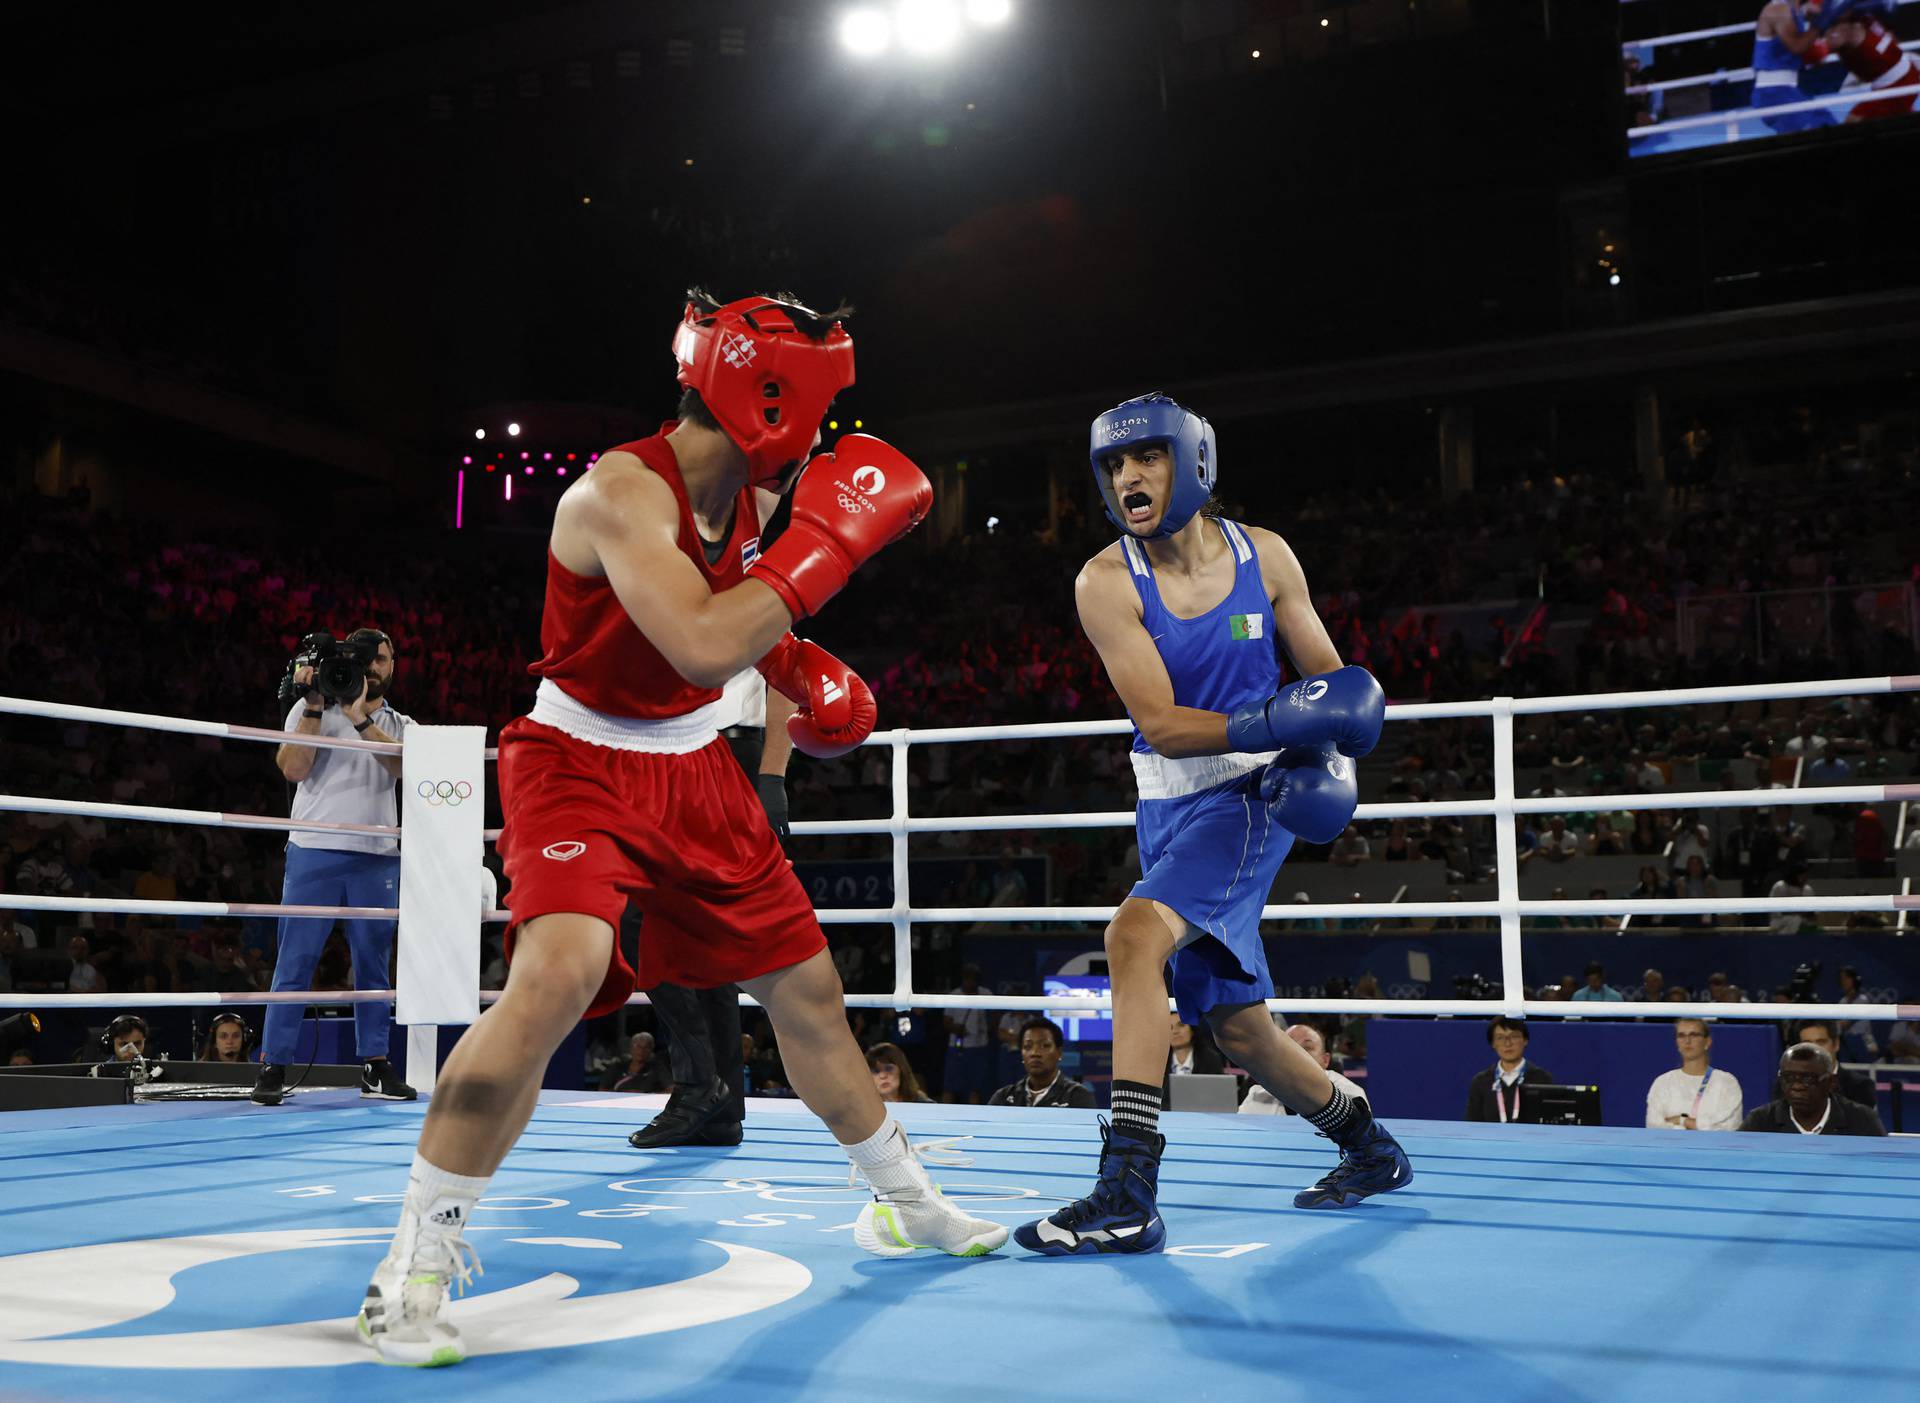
(1874, 56)
(594, 652)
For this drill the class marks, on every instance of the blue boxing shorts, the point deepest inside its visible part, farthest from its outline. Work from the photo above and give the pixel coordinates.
(1213, 857)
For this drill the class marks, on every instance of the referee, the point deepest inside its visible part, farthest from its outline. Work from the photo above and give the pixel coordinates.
(339, 869)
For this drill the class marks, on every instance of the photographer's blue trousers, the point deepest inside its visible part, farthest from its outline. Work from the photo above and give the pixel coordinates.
(323, 877)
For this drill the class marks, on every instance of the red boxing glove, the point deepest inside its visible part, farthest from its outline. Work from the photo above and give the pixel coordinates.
(1816, 53)
(836, 709)
(846, 506)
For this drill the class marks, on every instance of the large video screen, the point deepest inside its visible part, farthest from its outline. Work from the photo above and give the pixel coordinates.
(1703, 74)
(1095, 1025)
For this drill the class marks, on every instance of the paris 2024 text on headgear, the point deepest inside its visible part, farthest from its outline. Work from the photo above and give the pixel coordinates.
(1154, 418)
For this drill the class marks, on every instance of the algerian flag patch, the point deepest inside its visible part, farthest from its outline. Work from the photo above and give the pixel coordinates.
(1247, 625)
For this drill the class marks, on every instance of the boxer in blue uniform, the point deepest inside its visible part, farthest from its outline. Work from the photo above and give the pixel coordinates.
(1784, 42)
(1188, 612)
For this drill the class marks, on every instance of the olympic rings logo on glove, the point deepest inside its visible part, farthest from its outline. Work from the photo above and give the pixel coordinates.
(453, 793)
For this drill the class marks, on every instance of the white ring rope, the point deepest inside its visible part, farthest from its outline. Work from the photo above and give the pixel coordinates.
(1734, 115)
(200, 818)
(1717, 32)
(1509, 910)
(1733, 75)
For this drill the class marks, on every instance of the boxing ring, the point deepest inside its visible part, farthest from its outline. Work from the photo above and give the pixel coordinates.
(1830, 97)
(219, 1244)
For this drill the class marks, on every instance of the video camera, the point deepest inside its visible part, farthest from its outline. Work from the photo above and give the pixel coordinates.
(1801, 987)
(1476, 986)
(340, 666)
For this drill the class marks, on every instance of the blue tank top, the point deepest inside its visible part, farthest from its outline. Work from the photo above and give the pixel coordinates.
(1770, 54)
(1224, 657)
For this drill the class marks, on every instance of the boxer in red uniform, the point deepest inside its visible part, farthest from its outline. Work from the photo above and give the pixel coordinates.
(618, 787)
(1858, 38)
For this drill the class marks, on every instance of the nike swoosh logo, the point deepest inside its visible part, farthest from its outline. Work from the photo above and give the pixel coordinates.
(1396, 1171)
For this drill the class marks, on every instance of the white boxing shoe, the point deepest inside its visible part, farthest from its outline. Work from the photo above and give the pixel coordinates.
(404, 1316)
(910, 1214)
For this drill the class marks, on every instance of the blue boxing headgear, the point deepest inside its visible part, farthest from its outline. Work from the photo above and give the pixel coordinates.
(1156, 419)
(1831, 12)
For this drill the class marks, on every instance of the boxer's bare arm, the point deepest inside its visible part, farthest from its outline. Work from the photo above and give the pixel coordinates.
(1776, 22)
(1110, 614)
(622, 521)
(1294, 620)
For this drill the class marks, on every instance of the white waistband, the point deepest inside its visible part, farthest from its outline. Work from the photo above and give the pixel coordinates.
(1776, 78)
(1161, 778)
(1898, 76)
(666, 735)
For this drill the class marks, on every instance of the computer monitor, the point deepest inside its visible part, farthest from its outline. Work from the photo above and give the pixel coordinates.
(1559, 1105)
(1095, 1025)
(1203, 1091)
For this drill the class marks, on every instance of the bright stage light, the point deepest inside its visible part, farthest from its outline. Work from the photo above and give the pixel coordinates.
(479, 433)
(513, 431)
(866, 33)
(989, 11)
(926, 26)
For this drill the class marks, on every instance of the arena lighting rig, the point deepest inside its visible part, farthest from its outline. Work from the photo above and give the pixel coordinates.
(918, 28)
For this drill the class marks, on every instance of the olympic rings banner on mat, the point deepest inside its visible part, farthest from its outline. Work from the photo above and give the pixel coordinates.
(442, 794)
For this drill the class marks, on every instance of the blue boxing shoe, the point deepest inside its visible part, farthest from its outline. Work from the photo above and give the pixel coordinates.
(1371, 1162)
(1120, 1215)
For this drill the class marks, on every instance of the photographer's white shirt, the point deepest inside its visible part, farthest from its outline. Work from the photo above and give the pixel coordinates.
(347, 786)
(1261, 1102)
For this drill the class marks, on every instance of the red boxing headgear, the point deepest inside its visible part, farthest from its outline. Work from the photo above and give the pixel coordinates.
(765, 381)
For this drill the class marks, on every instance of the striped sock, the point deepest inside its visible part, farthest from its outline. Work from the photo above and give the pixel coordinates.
(1136, 1108)
(1339, 1118)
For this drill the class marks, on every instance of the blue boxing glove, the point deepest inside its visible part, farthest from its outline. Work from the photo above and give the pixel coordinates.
(1311, 791)
(1345, 707)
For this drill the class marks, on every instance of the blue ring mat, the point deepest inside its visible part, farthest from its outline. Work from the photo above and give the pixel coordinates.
(1523, 1262)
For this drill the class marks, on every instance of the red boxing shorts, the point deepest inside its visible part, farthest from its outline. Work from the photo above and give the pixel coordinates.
(590, 828)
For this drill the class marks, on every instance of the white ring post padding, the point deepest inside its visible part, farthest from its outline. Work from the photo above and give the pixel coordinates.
(423, 1055)
(1506, 846)
(901, 911)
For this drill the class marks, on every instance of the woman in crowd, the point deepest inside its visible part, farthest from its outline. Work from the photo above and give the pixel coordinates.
(893, 1075)
(1696, 882)
(228, 1039)
(1651, 887)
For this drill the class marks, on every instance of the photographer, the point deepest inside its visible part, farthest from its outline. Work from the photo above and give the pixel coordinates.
(339, 690)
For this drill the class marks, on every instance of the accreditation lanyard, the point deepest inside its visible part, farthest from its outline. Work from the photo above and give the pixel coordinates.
(1699, 1096)
(1500, 1101)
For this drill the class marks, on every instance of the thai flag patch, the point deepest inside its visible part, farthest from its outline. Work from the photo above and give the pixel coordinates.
(749, 552)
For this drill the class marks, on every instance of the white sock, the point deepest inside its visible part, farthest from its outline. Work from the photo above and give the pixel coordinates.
(886, 1145)
(443, 1201)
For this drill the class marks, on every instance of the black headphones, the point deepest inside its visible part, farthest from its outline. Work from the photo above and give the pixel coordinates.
(125, 1023)
(246, 1032)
